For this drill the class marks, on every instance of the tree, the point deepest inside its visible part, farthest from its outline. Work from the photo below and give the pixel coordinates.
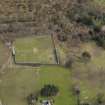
(32, 99)
(49, 90)
(100, 39)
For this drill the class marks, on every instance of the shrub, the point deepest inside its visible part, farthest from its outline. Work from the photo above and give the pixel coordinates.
(100, 41)
(97, 24)
(49, 90)
(86, 55)
(69, 63)
(32, 99)
(87, 20)
(76, 90)
(62, 38)
(99, 99)
(96, 29)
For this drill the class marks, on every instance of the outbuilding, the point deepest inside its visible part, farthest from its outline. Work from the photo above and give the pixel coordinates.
(46, 102)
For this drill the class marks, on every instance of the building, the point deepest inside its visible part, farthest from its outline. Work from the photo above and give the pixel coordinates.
(46, 102)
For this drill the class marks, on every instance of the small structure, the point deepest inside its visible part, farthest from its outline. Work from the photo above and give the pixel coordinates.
(103, 28)
(13, 54)
(46, 102)
(0, 102)
(13, 51)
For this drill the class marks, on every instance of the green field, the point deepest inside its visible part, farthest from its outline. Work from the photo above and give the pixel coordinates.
(36, 49)
(18, 83)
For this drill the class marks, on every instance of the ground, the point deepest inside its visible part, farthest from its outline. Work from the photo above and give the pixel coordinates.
(19, 81)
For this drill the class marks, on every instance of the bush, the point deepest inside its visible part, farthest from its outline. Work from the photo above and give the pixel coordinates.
(86, 55)
(97, 24)
(100, 99)
(76, 90)
(32, 99)
(69, 63)
(96, 29)
(62, 38)
(100, 41)
(87, 20)
(49, 90)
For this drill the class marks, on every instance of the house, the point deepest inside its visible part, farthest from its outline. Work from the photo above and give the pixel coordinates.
(46, 102)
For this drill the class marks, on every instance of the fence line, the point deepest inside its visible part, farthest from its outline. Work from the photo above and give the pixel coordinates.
(37, 64)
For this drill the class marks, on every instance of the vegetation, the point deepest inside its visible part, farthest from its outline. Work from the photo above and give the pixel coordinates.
(37, 17)
(49, 90)
(86, 55)
(62, 38)
(32, 99)
(100, 40)
(99, 99)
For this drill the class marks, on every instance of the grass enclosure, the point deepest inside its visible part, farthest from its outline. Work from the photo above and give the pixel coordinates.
(36, 49)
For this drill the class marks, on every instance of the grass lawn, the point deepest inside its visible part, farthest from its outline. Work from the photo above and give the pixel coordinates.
(37, 49)
(19, 83)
